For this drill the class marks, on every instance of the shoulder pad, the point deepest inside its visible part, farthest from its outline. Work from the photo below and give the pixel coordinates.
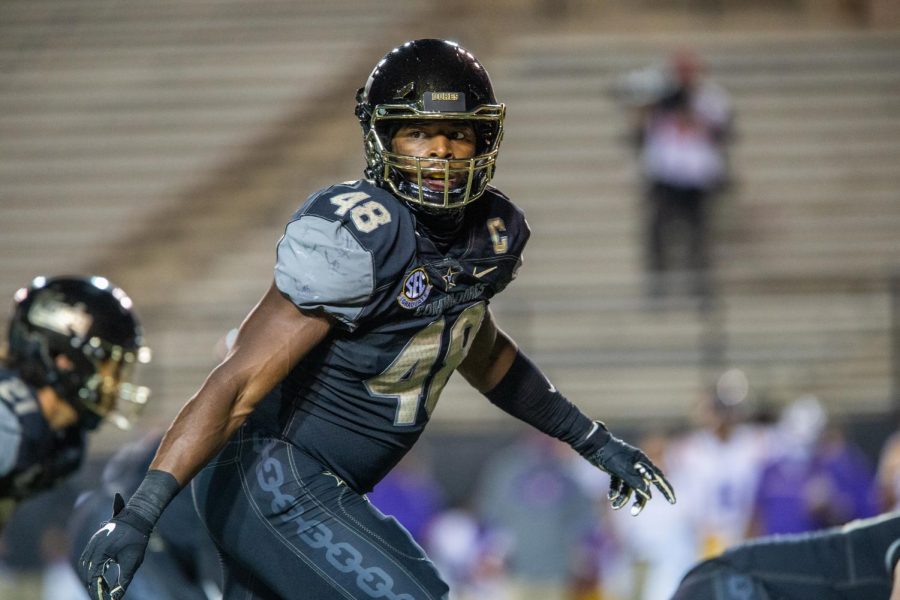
(345, 242)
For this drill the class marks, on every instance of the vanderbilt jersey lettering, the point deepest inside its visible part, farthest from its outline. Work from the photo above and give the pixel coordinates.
(406, 315)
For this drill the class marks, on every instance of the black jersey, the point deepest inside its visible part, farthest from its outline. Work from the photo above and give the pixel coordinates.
(32, 455)
(406, 315)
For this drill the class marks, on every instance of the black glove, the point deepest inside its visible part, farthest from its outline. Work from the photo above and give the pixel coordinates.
(114, 553)
(629, 469)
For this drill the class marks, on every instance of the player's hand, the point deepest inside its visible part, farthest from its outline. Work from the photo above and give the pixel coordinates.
(114, 553)
(630, 471)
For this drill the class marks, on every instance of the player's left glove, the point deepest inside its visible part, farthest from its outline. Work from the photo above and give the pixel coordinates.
(629, 469)
(114, 553)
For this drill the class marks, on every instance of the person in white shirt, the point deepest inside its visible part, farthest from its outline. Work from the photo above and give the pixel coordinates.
(682, 140)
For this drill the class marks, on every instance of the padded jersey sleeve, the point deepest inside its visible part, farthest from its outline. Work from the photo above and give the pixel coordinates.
(343, 252)
(10, 438)
(321, 266)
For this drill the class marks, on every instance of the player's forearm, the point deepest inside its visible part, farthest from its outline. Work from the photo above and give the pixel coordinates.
(526, 394)
(204, 424)
(199, 431)
(273, 338)
(496, 368)
(490, 357)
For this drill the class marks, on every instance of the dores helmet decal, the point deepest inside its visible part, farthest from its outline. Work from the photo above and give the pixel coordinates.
(416, 289)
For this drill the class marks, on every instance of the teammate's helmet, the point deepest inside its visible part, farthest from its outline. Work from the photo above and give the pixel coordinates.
(429, 80)
(89, 322)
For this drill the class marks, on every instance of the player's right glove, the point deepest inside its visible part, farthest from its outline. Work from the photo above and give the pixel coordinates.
(114, 553)
(629, 469)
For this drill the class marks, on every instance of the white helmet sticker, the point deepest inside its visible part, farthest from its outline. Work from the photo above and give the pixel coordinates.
(61, 317)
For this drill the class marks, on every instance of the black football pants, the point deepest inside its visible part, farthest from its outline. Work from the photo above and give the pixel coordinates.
(287, 529)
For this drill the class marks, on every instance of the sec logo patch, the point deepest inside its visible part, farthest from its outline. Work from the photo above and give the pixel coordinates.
(416, 289)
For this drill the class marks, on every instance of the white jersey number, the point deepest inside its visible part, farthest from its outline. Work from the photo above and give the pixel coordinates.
(406, 379)
(366, 216)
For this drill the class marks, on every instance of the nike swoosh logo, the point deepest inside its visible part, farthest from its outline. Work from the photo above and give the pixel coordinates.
(108, 528)
(478, 275)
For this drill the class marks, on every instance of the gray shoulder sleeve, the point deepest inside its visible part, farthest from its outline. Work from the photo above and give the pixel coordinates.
(321, 265)
(10, 438)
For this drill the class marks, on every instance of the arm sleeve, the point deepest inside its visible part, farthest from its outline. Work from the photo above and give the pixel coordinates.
(321, 266)
(526, 394)
(10, 439)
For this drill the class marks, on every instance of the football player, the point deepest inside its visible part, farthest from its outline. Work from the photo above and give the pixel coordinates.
(73, 342)
(381, 291)
(857, 561)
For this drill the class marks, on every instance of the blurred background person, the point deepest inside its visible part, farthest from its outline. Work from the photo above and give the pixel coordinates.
(683, 125)
(470, 554)
(719, 463)
(813, 478)
(528, 493)
(411, 493)
(73, 343)
(649, 560)
(848, 478)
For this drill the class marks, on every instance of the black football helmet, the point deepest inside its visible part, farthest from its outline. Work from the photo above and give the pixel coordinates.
(89, 322)
(426, 80)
